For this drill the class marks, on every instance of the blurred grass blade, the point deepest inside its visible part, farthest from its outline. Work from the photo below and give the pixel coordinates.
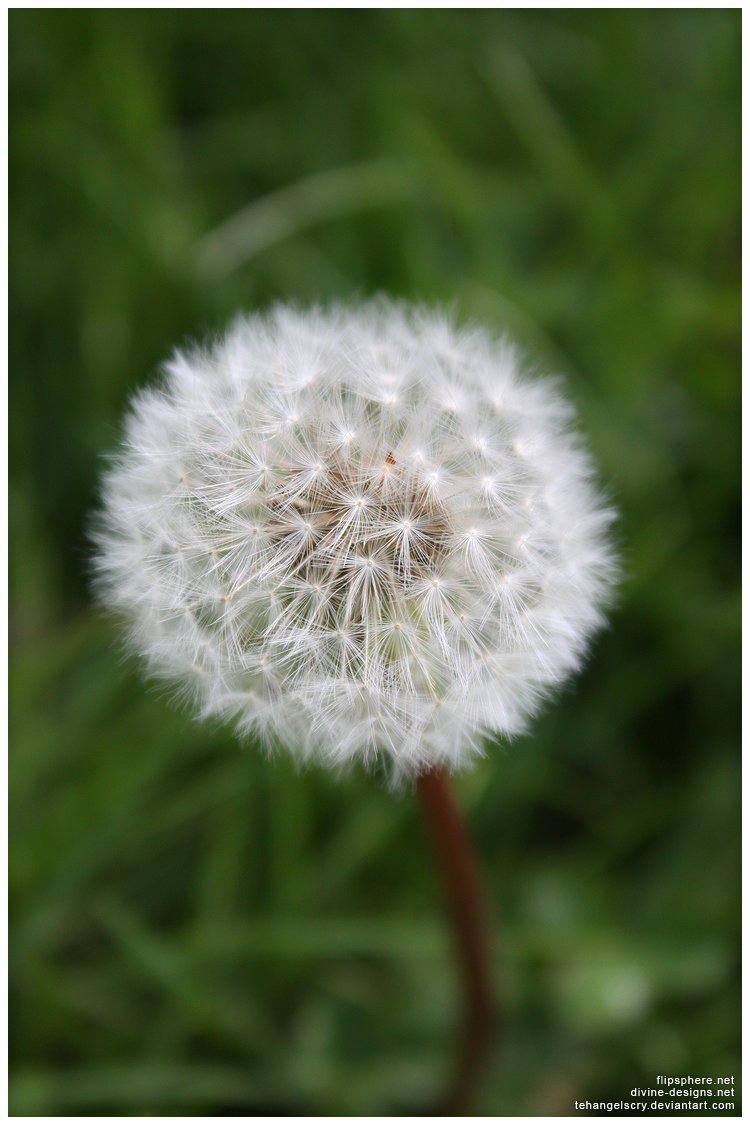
(141, 1084)
(165, 963)
(294, 208)
(281, 937)
(544, 134)
(369, 828)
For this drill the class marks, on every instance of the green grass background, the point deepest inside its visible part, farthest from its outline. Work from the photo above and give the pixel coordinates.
(195, 929)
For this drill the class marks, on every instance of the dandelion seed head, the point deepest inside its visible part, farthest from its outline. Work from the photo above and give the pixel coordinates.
(354, 489)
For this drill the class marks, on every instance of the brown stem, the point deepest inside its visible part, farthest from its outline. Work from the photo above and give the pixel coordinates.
(458, 868)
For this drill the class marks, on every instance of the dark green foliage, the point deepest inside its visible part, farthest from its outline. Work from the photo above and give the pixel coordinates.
(196, 929)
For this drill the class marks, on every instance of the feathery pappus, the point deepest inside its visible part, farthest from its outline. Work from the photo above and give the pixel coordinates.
(359, 533)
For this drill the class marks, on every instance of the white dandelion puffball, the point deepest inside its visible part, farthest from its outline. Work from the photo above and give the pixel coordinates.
(361, 534)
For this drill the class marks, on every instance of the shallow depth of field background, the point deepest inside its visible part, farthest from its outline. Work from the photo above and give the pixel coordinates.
(195, 929)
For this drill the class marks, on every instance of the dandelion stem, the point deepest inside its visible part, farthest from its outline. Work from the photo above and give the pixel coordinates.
(458, 868)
